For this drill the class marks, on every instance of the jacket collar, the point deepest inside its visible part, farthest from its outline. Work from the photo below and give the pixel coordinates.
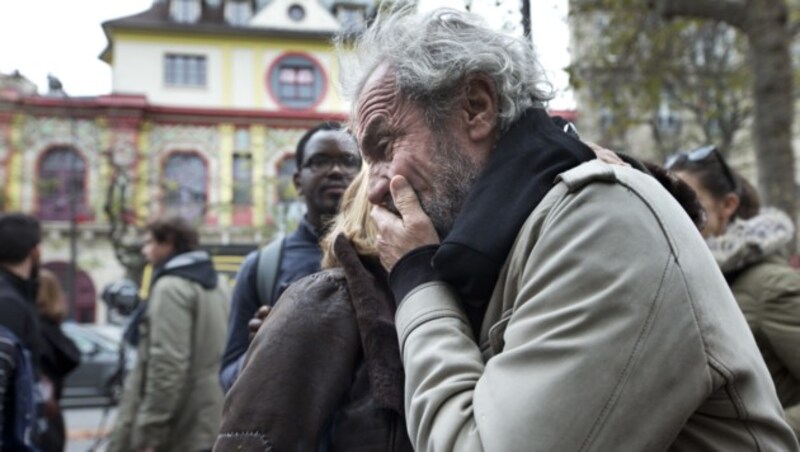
(306, 231)
(195, 266)
(374, 311)
(518, 174)
(25, 288)
(747, 242)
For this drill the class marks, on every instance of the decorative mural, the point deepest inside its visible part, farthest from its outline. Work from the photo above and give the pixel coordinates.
(285, 209)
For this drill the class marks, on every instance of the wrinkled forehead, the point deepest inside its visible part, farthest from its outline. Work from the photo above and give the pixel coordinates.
(376, 100)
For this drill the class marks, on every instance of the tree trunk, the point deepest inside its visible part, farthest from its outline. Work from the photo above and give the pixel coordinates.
(765, 23)
(766, 29)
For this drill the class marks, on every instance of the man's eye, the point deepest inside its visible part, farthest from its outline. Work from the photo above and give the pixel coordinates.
(383, 149)
(351, 161)
(318, 161)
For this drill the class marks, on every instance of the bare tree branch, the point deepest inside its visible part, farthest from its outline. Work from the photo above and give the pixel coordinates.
(732, 12)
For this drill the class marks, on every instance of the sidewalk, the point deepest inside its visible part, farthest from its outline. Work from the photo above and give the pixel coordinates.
(83, 425)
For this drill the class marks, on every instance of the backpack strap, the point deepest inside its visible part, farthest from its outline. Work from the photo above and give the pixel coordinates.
(269, 262)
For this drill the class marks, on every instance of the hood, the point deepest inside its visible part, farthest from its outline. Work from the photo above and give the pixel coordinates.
(195, 266)
(747, 242)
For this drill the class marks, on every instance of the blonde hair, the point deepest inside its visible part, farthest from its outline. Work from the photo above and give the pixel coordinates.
(353, 222)
(50, 300)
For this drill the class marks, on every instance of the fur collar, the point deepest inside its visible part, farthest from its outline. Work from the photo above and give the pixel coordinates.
(747, 242)
(374, 309)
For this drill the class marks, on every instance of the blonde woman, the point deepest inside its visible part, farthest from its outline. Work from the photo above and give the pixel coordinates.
(59, 355)
(324, 372)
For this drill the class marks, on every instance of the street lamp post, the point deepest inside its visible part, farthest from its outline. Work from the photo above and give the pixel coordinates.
(526, 18)
(72, 199)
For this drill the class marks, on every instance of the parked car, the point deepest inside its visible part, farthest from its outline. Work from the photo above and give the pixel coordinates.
(100, 376)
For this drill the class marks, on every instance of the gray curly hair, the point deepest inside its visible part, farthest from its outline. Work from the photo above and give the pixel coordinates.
(432, 54)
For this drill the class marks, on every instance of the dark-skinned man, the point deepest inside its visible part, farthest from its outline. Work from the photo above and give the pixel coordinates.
(327, 159)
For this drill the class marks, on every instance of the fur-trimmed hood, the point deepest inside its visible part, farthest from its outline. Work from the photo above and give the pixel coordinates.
(750, 241)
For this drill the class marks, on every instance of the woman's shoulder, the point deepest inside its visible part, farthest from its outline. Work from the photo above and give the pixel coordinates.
(769, 279)
(331, 278)
(326, 285)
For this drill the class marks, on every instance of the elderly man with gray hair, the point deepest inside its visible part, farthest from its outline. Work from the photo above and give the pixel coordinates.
(547, 301)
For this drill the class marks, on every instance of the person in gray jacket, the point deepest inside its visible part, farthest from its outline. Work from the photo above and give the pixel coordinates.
(172, 400)
(548, 301)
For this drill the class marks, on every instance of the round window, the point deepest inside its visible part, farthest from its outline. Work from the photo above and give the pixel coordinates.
(296, 81)
(297, 13)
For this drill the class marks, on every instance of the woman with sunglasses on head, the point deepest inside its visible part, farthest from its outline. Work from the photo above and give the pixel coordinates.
(749, 244)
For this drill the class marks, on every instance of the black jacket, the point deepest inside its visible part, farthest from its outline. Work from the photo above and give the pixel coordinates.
(59, 355)
(18, 312)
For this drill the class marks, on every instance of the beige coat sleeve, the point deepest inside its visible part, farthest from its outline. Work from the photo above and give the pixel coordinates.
(171, 322)
(589, 313)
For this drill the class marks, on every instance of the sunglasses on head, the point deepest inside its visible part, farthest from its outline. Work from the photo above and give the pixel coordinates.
(700, 155)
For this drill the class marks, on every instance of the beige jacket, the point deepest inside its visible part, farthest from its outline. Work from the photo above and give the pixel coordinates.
(610, 329)
(172, 399)
(767, 290)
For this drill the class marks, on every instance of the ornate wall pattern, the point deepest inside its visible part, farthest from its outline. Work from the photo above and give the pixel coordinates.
(164, 139)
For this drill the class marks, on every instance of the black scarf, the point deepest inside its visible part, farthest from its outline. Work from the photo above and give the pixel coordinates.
(518, 174)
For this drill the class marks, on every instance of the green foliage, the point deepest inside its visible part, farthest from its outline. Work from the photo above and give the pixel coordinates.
(632, 63)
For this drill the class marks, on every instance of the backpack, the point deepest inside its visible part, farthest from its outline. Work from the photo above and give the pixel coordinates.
(25, 399)
(269, 262)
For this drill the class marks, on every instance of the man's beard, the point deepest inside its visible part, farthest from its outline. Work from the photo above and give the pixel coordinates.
(456, 174)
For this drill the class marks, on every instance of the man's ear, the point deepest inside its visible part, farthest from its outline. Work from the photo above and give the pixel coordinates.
(297, 186)
(479, 107)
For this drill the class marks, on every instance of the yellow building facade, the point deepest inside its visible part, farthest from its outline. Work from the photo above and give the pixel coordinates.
(209, 99)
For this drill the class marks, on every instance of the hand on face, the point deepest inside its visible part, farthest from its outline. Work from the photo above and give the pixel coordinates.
(606, 155)
(400, 233)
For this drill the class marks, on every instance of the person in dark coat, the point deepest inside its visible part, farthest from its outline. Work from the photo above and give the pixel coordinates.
(20, 236)
(59, 356)
(19, 269)
(324, 371)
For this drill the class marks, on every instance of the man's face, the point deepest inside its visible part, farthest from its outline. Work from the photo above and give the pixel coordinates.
(396, 140)
(36, 262)
(154, 251)
(330, 161)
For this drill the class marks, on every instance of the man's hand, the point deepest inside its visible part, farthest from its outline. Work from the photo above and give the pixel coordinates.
(255, 323)
(399, 234)
(605, 155)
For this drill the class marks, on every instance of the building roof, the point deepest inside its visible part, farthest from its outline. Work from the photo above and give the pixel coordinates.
(211, 22)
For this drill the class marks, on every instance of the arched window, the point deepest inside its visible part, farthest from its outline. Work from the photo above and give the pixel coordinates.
(184, 185)
(185, 11)
(61, 184)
